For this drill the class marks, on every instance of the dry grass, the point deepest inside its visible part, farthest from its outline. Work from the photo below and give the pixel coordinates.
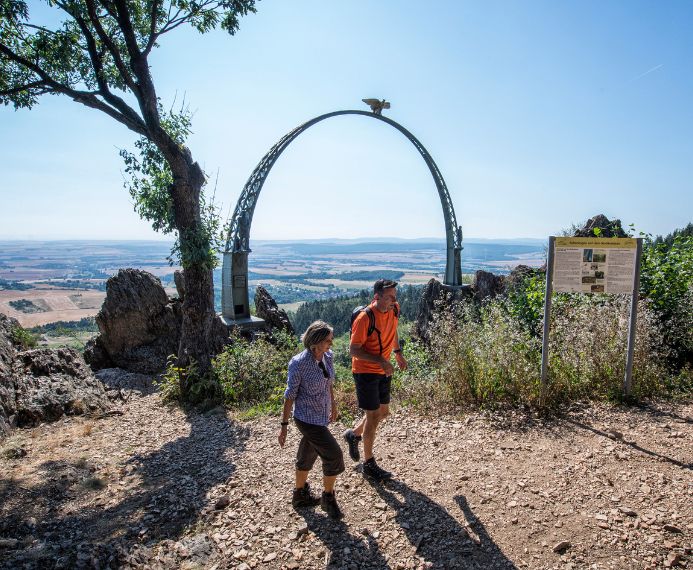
(484, 357)
(87, 428)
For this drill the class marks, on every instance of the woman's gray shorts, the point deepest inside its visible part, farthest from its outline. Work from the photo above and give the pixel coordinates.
(318, 441)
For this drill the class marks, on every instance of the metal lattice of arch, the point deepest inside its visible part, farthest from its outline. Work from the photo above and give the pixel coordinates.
(234, 292)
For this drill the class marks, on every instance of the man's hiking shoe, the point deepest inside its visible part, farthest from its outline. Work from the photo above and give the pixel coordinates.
(328, 503)
(353, 443)
(303, 498)
(374, 471)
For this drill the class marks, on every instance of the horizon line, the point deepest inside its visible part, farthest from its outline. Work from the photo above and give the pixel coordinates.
(270, 240)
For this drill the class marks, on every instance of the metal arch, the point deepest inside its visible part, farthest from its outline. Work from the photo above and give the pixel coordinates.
(235, 303)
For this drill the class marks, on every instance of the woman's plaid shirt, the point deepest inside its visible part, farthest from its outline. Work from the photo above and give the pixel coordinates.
(308, 387)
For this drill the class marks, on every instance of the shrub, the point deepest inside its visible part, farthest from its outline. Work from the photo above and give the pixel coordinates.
(484, 356)
(169, 382)
(587, 349)
(23, 338)
(525, 301)
(666, 279)
(254, 373)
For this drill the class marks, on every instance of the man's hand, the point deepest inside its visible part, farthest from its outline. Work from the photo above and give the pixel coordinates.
(333, 414)
(282, 436)
(401, 361)
(388, 369)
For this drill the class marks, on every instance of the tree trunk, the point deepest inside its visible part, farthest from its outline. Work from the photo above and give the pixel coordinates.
(199, 335)
(197, 341)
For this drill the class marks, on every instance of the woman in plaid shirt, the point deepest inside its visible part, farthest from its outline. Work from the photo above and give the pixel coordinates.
(309, 392)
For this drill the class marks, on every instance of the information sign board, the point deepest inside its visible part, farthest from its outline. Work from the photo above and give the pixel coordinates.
(594, 265)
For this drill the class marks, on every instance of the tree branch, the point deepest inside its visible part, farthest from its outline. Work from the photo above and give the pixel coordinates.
(85, 97)
(123, 18)
(178, 20)
(97, 64)
(152, 28)
(39, 28)
(146, 95)
(112, 48)
(26, 87)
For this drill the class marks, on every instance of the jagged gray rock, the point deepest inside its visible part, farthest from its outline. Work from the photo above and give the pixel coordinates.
(7, 384)
(438, 298)
(266, 308)
(487, 285)
(435, 299)
(139, 325)
(608, 228)
(179, 280)
(520, 273)
(42, 384)
(52, 383)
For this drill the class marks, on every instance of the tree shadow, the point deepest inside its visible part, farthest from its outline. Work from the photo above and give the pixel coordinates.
(436, 535)
(362, 552)
(169, 492)
(124, 383)
(631, 444)
(654, 411)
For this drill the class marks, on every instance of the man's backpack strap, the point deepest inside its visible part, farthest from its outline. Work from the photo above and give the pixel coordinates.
(371, 322)
(372, 328)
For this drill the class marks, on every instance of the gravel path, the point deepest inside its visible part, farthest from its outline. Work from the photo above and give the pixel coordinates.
(152, 487)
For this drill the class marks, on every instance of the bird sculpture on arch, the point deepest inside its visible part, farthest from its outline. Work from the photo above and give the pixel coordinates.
(377, 105)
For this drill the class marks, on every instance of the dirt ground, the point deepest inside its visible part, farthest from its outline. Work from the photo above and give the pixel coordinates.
(152, 487)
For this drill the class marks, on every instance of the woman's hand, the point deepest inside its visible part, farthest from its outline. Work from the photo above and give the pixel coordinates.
(282, 436)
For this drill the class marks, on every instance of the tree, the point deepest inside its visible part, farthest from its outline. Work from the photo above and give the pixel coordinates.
(98, 56)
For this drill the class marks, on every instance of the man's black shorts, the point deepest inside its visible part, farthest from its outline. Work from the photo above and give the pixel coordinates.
(372, 390)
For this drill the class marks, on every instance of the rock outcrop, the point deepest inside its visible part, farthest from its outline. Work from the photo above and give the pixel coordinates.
(266, 308)
(42, 384)
(139, 325)
(7, 383)
(487, 285)
(435, 299)
(438, 298)
(607, 228)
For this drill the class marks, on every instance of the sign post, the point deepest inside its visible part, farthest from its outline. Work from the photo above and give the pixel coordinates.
(547, 318)
(593, 265)
(627, 384)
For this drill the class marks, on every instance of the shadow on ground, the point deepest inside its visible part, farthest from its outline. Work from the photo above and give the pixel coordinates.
(173, 483)
(361, 551)
(436, 535)
(633, 445)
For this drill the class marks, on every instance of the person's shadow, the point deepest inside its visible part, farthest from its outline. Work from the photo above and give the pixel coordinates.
(436, 535)
(343, 549)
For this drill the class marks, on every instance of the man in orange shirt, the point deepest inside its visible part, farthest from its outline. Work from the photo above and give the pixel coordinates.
(372, 370)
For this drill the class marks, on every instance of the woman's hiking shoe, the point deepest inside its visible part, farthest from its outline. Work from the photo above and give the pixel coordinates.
(353, 443)
(303, 498)
(374, 471)
(328, 503)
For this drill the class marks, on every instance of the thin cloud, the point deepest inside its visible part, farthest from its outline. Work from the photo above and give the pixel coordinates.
(655, 68)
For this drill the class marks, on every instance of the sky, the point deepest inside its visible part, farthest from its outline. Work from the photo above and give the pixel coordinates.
(539, 115)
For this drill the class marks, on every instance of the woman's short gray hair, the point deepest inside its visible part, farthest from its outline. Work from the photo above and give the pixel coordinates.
(316, 332)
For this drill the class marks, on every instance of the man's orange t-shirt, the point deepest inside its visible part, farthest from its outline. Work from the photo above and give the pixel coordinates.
(386, 323)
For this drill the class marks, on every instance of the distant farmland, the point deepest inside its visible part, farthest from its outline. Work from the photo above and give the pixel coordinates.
(65, 280)
(57, 304)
